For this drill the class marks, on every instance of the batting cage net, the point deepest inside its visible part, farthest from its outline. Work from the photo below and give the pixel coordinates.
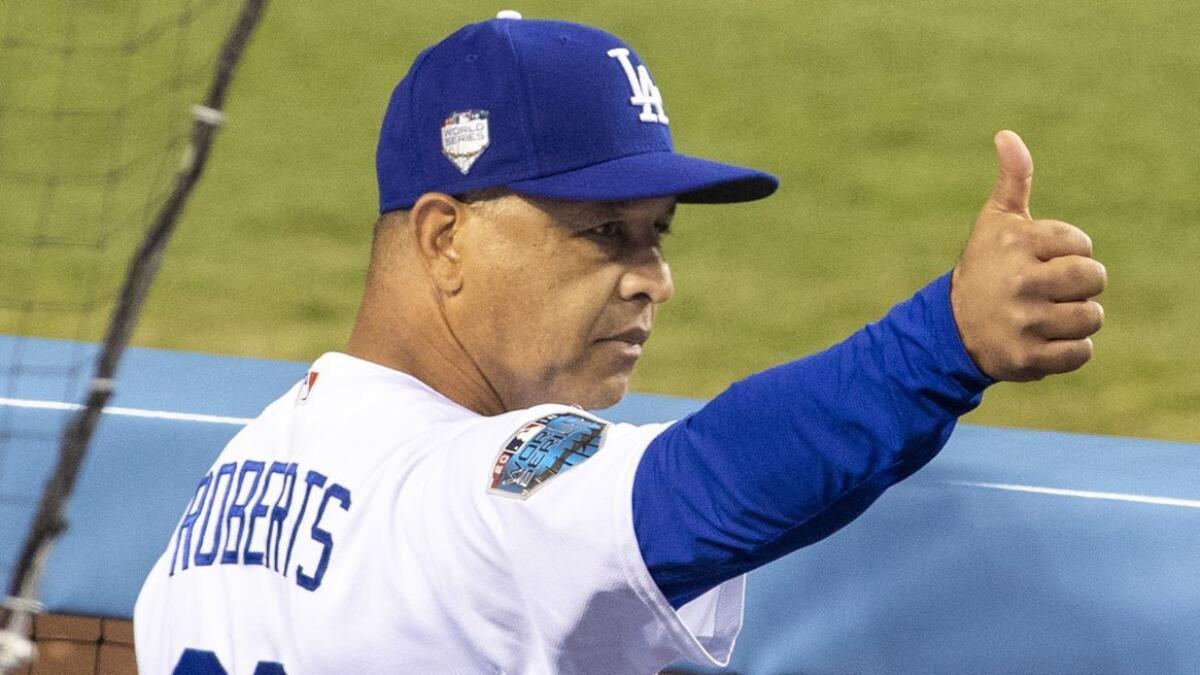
(107, 110)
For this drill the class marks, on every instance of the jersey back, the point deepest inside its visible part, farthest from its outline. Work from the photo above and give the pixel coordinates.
(365, 523)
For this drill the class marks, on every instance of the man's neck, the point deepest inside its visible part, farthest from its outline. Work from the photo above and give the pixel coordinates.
(422, 345)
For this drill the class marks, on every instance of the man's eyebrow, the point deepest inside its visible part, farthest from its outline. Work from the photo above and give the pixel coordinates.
(583, 211)
(666, 217)
(577, 211)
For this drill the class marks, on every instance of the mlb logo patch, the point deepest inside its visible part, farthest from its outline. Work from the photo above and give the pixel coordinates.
(310, 380)
(543, 449)
(465, 137)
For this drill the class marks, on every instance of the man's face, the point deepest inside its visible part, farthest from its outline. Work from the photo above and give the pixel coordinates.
(558, 298)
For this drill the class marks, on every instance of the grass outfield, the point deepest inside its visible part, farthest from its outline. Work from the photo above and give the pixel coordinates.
(878, 118)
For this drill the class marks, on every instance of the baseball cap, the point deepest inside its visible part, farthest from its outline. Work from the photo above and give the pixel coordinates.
(548, 109)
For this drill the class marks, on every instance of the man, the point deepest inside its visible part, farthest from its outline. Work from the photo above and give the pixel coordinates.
(433, 501)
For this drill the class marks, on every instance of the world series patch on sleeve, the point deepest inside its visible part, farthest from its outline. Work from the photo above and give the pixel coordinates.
(542, 450)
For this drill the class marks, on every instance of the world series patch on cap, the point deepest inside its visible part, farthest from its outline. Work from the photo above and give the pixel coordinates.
(543, 449)
(548, 109)
(465, 137)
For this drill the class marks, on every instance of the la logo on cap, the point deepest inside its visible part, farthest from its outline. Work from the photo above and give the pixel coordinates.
(465, 137)
(645, 94)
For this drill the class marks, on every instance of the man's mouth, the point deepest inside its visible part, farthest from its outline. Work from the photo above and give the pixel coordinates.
(628, 343)
(633, 336)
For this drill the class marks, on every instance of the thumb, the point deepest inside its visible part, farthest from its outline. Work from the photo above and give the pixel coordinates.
(1011, 193)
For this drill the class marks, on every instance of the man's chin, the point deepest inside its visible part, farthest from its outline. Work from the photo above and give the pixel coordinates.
(607, 401)
(601, 394)
(590, 391)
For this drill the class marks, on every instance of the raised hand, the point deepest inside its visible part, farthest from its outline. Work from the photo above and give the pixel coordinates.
(1023, 293)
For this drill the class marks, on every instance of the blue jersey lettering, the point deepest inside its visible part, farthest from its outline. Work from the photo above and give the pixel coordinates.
(184, 536)
(250, 556)
(341, 494)
(279, 513)
(226, 471)
(313, 479)
(230, 491)
(230, 552)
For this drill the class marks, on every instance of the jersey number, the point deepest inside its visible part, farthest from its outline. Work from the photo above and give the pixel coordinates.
(198, 662)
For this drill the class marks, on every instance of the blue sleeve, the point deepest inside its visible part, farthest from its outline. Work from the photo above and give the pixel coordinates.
(788, 456)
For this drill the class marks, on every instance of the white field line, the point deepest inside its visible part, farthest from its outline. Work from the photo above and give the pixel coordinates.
(242, 421)
(1083, 494)
(128, 412)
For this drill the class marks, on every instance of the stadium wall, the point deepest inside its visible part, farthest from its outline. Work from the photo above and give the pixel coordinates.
(1013, 551)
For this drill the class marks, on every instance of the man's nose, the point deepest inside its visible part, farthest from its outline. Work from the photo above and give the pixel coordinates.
(648, 277)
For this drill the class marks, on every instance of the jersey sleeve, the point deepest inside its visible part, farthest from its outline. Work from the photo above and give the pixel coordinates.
(804, 448)
(529, 518)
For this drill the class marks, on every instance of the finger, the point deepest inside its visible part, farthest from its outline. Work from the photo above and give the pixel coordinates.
(1065, 279)
(1062, 356)
(1069, 320)
(1011, 192)
(1054, 238)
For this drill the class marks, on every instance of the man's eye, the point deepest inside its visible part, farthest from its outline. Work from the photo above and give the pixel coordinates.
(606, 230)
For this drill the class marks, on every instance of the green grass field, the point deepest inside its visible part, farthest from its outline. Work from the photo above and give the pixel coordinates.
(878, 117)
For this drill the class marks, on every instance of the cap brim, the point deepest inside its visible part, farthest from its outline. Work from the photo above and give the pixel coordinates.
(654, 174)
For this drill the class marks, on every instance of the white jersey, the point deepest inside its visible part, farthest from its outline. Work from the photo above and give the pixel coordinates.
(364, 523)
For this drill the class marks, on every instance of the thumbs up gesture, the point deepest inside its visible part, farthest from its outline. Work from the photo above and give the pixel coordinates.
(1023, 292)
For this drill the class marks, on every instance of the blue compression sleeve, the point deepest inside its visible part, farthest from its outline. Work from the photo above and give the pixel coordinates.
(786, 457)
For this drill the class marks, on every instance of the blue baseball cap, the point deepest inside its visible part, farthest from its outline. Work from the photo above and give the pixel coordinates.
(548, 109)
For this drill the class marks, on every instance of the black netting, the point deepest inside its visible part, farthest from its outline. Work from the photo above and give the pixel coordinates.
(95, 120)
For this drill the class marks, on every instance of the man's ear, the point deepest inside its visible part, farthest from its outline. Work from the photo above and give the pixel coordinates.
(436, 219)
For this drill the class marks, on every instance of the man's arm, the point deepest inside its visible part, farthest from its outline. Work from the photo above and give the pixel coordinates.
(788, 456)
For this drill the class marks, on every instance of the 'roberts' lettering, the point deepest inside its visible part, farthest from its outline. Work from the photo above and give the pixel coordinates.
(274, 516)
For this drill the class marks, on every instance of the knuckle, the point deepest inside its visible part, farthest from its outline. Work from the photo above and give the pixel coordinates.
(1087, 267)
(1076, 323)
(1081, 275)
(1079, 240)
(1043, 324)
(1047, 230)
(1024, 362)
(1050, 358)
(1028, 360)
(1080, 267)
(1101, 276)
(1094, 317)
(1081, 353)
(1074, 355)
(1082, 272)
(1055, 228)
(1020, 317)
(1087, 240)
(1016, 237)
(1020, 284)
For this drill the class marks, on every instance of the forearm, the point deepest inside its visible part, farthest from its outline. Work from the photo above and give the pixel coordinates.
(786, 457)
